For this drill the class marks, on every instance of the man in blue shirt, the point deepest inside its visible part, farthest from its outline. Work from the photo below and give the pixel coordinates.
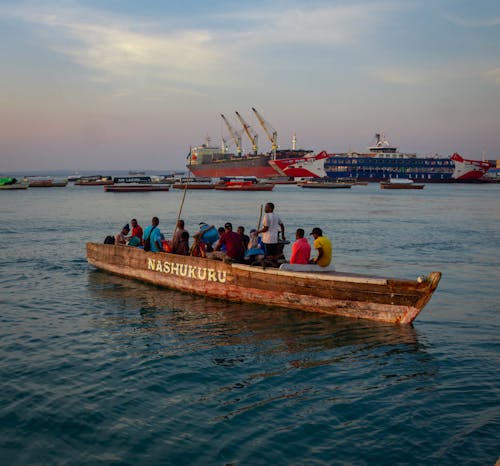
(153, 233)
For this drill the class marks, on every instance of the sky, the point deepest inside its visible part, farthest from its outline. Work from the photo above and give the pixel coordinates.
(128, 84)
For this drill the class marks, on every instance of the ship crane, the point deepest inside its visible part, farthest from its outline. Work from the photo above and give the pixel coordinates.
(252, 135)
(272, 136)
(234, 134)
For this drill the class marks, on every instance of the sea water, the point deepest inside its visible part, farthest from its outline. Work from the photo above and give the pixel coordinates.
(98, 369)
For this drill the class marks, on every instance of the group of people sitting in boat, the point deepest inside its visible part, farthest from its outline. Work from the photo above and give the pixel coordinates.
(263, 246)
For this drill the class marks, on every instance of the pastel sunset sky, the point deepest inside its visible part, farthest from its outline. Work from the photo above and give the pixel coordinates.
(129, 84)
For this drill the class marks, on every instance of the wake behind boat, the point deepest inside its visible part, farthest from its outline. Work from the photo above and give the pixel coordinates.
(351, 295)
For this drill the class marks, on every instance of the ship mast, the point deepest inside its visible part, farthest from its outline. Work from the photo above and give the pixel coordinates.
(234, 134)
(252, 135)
(273, 137)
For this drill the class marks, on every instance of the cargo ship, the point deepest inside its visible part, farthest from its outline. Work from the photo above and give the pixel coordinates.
(382, 162)
(212, 161)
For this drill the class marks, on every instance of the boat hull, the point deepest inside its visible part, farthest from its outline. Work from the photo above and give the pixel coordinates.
(193, 186)
(356, 296)
(134, 189)
(323, 185)
(14, 186)
(253, 187)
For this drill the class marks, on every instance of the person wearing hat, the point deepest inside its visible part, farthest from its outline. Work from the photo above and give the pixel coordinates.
(324, 247)
(235, 249)
(121, 238)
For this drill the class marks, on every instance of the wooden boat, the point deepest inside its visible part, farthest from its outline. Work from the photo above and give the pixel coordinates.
(193, 183)
(243, 183)
(323, 184)
(46, 183)
(400, 183)
(134, 184)
(95, 180)
(9, 183)
(352, 295)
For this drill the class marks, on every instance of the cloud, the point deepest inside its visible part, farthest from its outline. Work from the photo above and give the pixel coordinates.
(403, 77)
(168, 55)
(473, 22)
(494, 74)
(326, 26)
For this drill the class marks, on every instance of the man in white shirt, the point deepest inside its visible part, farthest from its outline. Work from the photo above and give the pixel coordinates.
(272, 225)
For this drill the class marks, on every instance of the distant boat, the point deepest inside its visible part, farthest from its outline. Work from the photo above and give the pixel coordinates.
(136, 173)
(323, 184)
(400, 183)
(9, 183)
(75, 176)
(194, 183)
(383, 161)
(94, 180)
(134, 184)
(243, 183)
(45, 182)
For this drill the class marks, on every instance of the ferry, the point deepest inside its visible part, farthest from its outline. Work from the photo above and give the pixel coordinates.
(134, 184)
(383, 161)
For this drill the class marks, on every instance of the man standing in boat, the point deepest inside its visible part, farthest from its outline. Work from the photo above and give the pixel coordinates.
(324, 247)
(272, 225)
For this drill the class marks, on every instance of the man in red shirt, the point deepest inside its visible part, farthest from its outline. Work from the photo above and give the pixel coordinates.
(301, 249)
(235, 249)
(136, 229)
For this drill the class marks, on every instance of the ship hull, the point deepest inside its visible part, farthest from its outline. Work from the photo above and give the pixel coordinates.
(245, 166)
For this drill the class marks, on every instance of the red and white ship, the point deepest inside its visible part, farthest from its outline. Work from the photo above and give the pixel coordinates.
(299, 167)
(383, 162)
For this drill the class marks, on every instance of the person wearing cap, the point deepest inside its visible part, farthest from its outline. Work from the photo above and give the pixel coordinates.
(324, 247)
(235, 250)
(301, 249)
(272, 225)
(121, 238)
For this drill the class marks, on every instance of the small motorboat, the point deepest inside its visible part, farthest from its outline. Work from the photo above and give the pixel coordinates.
(243, 183)
(400, 183)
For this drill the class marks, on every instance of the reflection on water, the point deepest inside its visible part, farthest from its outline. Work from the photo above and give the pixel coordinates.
(229, 323)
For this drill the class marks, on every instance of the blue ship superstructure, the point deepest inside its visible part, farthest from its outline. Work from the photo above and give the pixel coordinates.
(384, 162)
(382, 166)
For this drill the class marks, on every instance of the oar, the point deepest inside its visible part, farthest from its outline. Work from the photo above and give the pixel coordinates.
(184, 193)
(260, 218)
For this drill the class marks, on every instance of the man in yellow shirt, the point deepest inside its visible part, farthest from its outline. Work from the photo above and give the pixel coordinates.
(324, 247)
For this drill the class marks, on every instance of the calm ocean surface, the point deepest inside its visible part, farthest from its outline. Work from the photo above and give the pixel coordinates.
(97, 369)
